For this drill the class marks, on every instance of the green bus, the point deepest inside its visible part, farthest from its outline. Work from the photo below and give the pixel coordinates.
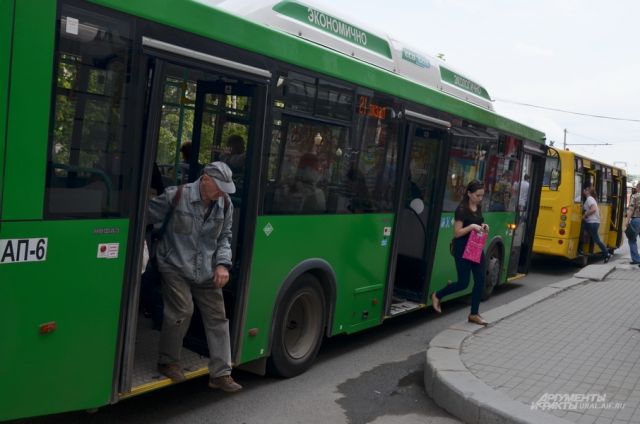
(350, 152)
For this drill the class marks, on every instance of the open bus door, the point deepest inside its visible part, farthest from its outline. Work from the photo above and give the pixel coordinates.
(529, 188)
(417, 218)
(589, 178)
(223, 111)
(618, 200)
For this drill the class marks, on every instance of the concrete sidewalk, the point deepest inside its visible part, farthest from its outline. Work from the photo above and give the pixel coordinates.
(569, 352)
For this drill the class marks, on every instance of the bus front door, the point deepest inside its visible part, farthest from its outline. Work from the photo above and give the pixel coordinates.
(416, 227)
(196, 116)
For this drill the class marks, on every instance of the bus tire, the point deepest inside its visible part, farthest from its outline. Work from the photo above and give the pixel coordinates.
(492, 271)
(299, 328)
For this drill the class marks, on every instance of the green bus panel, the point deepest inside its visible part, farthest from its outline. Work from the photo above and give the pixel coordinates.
(354, 246)
(444, 268)
(6, 32)
(71, 367)
(29, 105)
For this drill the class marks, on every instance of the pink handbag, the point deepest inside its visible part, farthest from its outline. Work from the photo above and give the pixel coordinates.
(475, 245)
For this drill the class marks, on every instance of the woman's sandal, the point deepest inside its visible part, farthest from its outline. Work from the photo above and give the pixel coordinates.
(435, 302)
(477, 319)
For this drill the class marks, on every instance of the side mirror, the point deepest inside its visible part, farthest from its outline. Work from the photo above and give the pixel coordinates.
(417, 205)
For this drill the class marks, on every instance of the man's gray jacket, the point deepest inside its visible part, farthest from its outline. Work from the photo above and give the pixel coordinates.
(190, 244)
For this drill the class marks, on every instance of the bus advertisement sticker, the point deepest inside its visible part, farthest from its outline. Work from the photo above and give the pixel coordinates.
(108, 250)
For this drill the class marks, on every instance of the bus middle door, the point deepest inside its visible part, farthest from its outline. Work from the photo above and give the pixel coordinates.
(416, 231)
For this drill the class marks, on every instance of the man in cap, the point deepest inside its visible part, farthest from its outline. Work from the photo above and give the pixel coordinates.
(194, 259)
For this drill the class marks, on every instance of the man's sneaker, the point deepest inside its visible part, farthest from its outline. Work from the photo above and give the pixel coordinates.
(173, 371)
(225, 383)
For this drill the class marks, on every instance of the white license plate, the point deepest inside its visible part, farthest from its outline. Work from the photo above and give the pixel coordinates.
(23, 250)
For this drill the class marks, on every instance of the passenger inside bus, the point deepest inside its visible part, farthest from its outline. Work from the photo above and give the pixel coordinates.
(235, 158)
(236, 155)
(303, 194)
(502, 192)
(360, 198)
(185, 152)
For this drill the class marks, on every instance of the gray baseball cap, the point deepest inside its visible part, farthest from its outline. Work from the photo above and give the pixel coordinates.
(221, 174)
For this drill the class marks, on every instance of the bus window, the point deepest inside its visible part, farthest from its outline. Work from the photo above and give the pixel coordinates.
(86, 169)
(502, 179)
(577, 188)
(334, 101)
(590, 179)
(174, 138)
(307, 161)
(551, 177)
(297, 91)
(319, 167)
(375, 154)
(469, 153)
(607, 185)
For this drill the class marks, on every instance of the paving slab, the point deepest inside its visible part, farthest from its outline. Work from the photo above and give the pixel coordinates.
(569, 352)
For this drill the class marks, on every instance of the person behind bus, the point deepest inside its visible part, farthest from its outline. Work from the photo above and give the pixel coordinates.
(468, 218)
(194, 259)
(633, 221)
(523, 196)
(501, 195)
(591, 219)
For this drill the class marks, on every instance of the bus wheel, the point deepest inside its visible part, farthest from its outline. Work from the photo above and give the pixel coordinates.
(299, 328)
(492, 271)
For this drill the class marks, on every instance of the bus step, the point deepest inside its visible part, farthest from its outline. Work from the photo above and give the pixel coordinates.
(404, 307)
(146, 356)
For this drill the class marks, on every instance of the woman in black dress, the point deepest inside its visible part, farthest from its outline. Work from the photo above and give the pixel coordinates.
(468, 218)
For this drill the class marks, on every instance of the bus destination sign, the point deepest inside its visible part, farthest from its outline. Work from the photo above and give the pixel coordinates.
(366, 108)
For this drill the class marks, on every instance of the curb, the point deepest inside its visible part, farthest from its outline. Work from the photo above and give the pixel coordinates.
(454, 388)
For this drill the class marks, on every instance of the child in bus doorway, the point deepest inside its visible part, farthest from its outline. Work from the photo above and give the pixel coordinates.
(591, 219)
(468, 218)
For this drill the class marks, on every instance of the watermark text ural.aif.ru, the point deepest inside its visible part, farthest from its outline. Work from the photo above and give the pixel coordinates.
(574, 402)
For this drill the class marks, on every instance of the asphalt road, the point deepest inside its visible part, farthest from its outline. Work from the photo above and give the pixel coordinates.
(372, 377)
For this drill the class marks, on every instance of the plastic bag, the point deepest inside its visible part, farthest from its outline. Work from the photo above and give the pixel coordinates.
(475, 246)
